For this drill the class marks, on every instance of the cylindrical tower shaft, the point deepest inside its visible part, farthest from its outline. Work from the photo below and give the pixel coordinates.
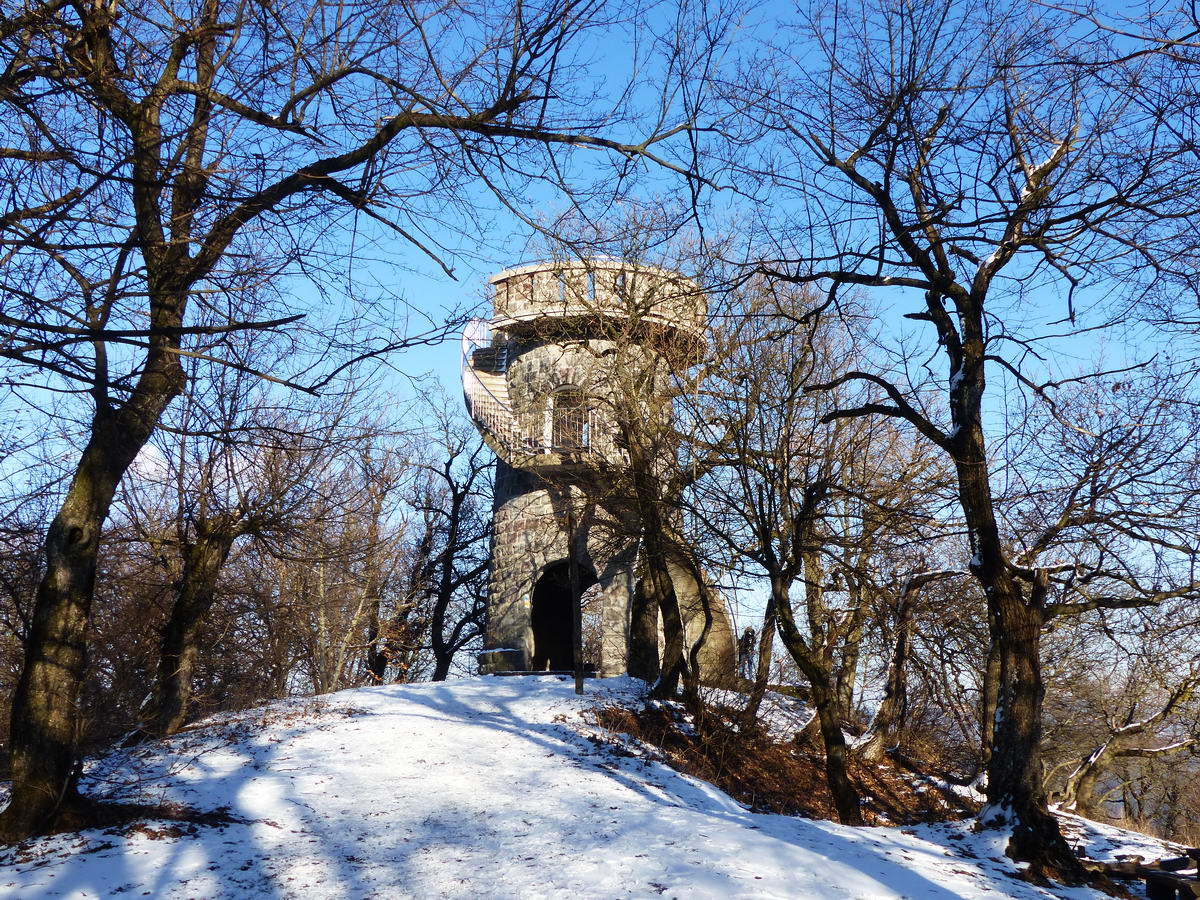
(571, 350)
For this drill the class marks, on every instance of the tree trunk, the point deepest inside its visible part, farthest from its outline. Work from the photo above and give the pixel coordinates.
(845, 797)
(443, 650)
(762, 672)
(847, 673)
(643, 659)
(895, 692)
(420, 579)
(692, 684)
(656, 575)
(1080, 791)
(824, 695)
(45, 716)
(989, 700)
(376, 655)
(847, 676)
(674, 660)
(177, 659)
(441, 667)
(1015, 792)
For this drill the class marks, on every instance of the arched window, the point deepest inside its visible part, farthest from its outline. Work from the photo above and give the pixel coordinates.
(568, 419)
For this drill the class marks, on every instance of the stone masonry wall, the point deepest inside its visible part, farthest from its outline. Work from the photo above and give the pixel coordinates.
(530, 535)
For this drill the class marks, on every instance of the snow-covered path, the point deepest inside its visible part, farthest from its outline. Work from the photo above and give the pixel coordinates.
(479, 788)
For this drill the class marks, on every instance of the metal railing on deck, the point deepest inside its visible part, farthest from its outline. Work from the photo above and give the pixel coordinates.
(485, 389)
(576, 432)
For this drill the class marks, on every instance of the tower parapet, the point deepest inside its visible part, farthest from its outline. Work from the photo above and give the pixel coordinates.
(592, 292)
(533, 375)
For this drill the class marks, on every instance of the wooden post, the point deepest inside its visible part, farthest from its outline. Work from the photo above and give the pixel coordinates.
(576, 598)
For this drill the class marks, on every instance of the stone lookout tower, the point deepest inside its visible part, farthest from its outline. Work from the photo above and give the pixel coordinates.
(541, 380)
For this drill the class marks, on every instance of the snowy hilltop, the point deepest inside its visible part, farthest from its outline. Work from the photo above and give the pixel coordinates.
(482, 787)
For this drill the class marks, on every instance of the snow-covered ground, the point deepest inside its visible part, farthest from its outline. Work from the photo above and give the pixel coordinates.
(480, 788)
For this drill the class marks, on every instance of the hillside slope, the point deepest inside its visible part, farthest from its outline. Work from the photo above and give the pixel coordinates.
(487, 787)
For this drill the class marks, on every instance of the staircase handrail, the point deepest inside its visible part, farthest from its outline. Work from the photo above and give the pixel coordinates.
(501, 420)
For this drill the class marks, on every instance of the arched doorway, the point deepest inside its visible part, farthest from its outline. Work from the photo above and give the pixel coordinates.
(550, 617)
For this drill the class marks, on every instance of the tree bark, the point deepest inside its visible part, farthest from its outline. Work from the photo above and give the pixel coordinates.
(674, 660)
(655, 571)
(845, 796)
(376, 655)
(847, 673)
(177, 659)
(1080, 790)
(643, 659)
(1015, 792)
(989, 700)
(45, 716)
(819, 673)
(895, 692)
(692, 684)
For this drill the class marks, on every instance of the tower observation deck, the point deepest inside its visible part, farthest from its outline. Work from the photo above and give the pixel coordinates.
(560, 305)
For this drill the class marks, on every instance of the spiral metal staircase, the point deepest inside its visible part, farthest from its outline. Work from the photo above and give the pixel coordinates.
(485, 389)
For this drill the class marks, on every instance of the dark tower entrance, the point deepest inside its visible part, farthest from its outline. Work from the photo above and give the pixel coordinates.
(550, 617)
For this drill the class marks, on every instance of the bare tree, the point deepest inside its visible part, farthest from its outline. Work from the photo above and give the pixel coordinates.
(454, 569)
(893, 705)
(1138, 733)
(440, 587)
(164, 159)
(240, 463)
(969, 183)
(804, 504)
